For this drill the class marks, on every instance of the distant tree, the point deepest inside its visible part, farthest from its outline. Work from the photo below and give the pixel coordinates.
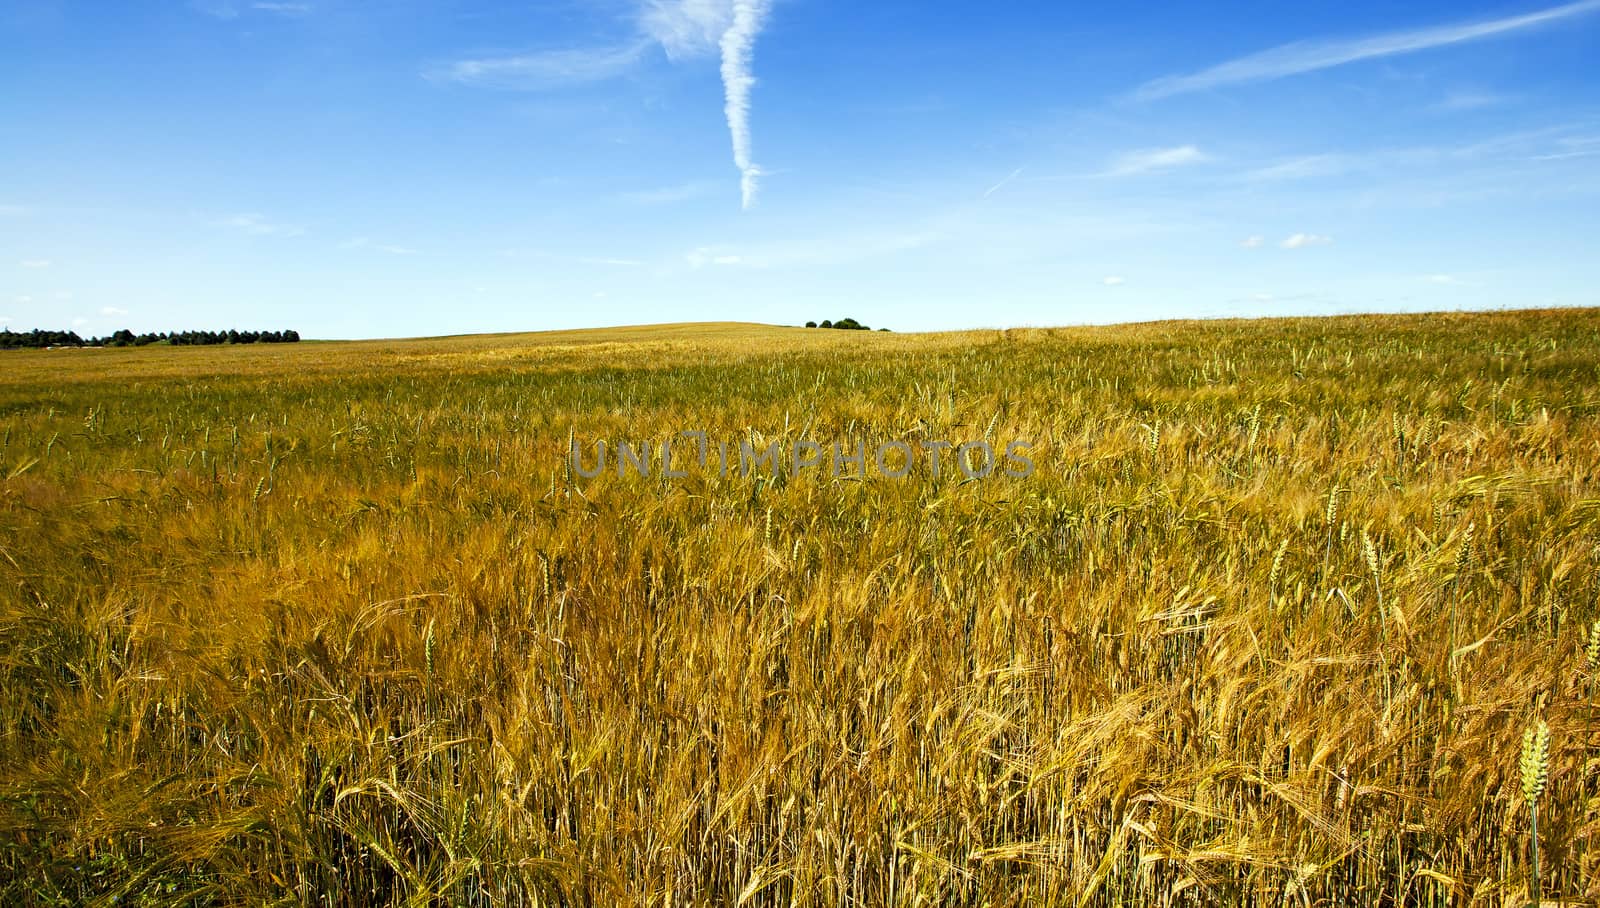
(37, 338)
(825, 324)
(849, 324)
(811, 324)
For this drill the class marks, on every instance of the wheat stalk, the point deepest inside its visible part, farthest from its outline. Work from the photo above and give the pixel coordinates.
(1535, 767)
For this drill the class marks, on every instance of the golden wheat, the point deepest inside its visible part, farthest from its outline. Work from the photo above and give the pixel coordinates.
(336, 624)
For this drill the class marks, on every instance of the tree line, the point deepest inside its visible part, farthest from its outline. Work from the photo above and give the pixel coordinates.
(848, 324)
(37, 338)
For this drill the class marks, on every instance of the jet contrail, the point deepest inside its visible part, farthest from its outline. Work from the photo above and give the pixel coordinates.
(996, 187)
(1310, 56)
(738, 44)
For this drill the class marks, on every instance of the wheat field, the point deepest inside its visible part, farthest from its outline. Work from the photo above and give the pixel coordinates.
(1273, 622)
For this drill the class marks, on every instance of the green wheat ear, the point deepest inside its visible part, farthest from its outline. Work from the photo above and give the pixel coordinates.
(1277, 570)
(1592, 651)
(1535, 761)
(1535, 772)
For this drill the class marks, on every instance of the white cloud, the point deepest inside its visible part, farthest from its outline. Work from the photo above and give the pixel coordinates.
(1309, 56)
(34, 263)
(112, 311)
(362, 242)
(1150, 159)
(257, 225)
(667, 195)
(220, 9)
(683, 29)
(1113, 281)
(614, 262)
(79, 322)
(686, 28)
(706, 255)
(1472, 100)
(233, 9)
(545, 69)
(1572, 147)
(1253, 242)
(24, 300)
(1304, 240)
(1317, 165)
(831, 249)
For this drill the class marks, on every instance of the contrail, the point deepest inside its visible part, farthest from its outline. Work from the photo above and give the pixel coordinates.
(996, 187)
(1310, 56)
(738, 44)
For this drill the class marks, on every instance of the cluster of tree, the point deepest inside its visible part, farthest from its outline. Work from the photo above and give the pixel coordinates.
(848, 324)
(126, 338)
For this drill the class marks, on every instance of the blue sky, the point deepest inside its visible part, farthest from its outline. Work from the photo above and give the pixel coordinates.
(417, 167)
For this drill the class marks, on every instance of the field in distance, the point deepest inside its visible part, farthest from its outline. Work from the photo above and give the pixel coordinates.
(1269, 622)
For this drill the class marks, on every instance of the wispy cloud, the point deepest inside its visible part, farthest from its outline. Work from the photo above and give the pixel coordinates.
(699, 258)
(112, 311)
(233, 9)
(543, 255)
(833, 249)
(1113, 281)
(1309, 56)
(542, 70)
(1151, 159)
(1483, 155)
(683, 29)
(1304, 167)
(362, 242)
(1572, 147)
(34, 263)
(1471, 100)
(1305, 240)
(667, 195)
(257, 225)
(1253, 242)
